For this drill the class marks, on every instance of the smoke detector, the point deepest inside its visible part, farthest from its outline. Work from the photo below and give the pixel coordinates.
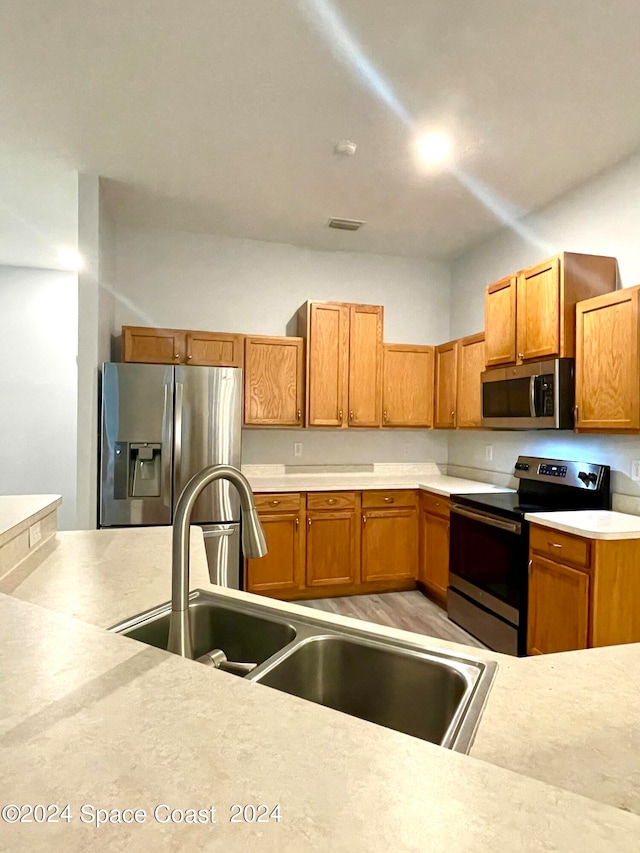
(345, 148)
(346, 224)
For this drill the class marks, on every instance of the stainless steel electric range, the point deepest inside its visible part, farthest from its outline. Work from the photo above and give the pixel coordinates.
(489, 545)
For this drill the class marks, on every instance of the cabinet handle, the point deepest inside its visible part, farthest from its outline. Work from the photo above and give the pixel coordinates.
(308, 522)
(340, 415)
(189, 356)
(351, 415)
(274, 503)
(575, 413)
(384, 417)
(555, 545)
(453, 413)
(388, 500)
(364, 519)
(297, 524)
(331, 500)
(299, 414)
(177, 355)
(520, 355)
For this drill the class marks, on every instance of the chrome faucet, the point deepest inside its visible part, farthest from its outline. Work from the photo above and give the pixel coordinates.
(253, 545)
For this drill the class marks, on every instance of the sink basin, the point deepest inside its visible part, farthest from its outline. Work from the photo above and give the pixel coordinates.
(408, 691)
(242, 636)
(431, 694)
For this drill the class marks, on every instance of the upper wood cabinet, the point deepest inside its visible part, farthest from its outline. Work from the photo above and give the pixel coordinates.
(458, 365)
(532, 315)
(407, 387)
(500, 322)
(446, 382)
(607, 368)
(153, 346)
(471, 362)
(214, 349)
(344, 363)
(274, 381)
(181, 346)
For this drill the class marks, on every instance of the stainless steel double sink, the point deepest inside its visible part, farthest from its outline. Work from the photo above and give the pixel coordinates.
(430, 694)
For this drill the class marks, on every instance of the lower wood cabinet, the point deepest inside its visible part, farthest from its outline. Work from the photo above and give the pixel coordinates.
(583, 593)
(332, 548)
(434, 545)
(558, 608)
(336, 543)
(282, 569)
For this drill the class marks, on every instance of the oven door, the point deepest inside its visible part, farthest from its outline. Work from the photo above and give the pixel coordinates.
(488, 568)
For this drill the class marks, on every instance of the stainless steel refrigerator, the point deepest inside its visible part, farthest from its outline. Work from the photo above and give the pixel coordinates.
(159, 426)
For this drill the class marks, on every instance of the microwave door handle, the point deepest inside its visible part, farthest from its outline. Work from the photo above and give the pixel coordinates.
(532, 396)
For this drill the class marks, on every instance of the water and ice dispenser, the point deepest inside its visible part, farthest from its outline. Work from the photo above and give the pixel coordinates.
(138, 470)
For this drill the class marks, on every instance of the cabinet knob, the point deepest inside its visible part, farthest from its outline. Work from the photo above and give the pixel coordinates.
(189, 357)
(331, 500)
(299, 414)
(520, 355)
(453, 413)
(364, 519)
(351, 416)
(384, 417)
(555, 544)
(340, 415)
(388, 500)
(177, 355)
(308, 522)
(297, 524)
(274, 503)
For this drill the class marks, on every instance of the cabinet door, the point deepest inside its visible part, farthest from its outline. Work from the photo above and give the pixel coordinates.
(607, 372)
(274, 381)
(283, 566)
(446, 373)
(558, 608)
(153, 346)
(333, 548)
(328, 364)
(389, 544)
(365, 365)
(407, 388)
(500, 322)
(434, 554)
(539, 311)
(214, 349)
(471, 363)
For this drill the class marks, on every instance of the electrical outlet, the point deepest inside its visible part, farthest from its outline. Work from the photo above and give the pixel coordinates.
(297, 448)
(488, 453)
(635, 470)
(35, 534)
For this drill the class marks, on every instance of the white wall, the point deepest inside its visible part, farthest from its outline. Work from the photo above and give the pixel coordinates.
(601, 217)
(38, 211)
(199, 281)
(38, 329)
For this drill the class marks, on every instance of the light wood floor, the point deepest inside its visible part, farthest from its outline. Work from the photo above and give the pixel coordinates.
(409, 611)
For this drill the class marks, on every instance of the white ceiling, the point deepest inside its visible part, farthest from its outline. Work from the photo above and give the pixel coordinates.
(221, 115)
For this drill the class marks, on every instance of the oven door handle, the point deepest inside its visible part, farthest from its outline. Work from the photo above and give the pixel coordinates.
(510, 526)
(532, 396)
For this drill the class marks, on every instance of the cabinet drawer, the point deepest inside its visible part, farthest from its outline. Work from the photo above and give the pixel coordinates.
(284, 502)
(560, 547)
(331, 500)
(435, 504)
(390, 497)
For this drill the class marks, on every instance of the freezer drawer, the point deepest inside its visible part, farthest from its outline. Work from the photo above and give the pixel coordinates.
(222, 544)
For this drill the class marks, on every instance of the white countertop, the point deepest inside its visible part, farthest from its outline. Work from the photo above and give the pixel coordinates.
(17, 512)
(590, 523)
(160, 729)
(275, 478)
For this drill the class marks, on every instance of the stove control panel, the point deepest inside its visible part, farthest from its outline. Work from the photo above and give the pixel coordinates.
(553, 470)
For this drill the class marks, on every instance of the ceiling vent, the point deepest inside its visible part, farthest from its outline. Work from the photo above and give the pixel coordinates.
(346, 224)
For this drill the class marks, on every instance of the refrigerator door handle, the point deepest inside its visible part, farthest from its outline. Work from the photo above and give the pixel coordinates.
(166, 447)
(211, 534)
(177, 439)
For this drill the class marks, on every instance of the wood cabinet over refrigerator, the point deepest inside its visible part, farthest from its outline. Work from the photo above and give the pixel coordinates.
(531, 315)
(344, 363)
(181, 346)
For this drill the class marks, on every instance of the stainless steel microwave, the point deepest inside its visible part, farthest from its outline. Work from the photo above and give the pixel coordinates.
(538, 395)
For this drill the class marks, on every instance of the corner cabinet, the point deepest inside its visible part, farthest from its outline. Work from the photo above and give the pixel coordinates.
(607, 366)
(407, 386)
(344, 363)
(531, 315)
(274, 381)
(583, 592)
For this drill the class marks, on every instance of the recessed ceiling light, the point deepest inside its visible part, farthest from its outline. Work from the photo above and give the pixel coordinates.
(434, 149)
